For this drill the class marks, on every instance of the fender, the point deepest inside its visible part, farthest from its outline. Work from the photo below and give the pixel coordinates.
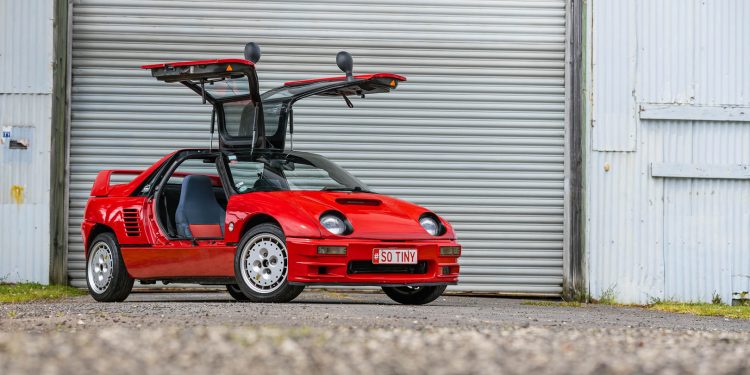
(111, 213)
(294, 221)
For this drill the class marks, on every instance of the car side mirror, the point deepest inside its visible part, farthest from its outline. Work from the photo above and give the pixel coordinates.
(252, 52)
(345, 62)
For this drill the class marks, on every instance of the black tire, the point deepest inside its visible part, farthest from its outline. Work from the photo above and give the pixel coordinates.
(419, 295)
(281, 291)
(119, 284)
(236, 293)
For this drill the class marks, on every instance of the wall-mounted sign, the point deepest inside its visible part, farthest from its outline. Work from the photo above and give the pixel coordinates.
(7, 132)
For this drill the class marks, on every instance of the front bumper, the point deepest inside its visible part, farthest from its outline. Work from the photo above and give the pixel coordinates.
(308, 267)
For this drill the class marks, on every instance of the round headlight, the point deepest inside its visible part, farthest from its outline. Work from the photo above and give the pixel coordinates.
(333, 224)
(430, 225)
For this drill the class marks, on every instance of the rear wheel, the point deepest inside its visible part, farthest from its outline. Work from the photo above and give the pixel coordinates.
(106, 276)
(261, 266)
(236, 293)
(414, 295)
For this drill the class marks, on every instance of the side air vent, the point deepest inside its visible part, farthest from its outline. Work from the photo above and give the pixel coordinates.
(130, 217)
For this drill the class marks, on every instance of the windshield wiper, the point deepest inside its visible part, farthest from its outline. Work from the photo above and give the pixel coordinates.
(346, 188)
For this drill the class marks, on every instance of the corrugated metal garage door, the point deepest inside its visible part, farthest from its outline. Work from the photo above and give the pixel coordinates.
(475, 134)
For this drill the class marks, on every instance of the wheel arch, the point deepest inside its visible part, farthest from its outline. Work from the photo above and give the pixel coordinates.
(257, 219)
(96, 230)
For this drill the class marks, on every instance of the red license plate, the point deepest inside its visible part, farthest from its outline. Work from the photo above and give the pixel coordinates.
(394, 256)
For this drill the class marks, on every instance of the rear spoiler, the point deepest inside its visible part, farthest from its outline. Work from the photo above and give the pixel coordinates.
(101, 187)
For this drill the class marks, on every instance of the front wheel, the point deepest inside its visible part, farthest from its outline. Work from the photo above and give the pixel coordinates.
(106, 276)
(236, 293)
(261, 266)
(414, 295)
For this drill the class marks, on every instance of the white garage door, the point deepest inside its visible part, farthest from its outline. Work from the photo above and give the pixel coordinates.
(476, 134)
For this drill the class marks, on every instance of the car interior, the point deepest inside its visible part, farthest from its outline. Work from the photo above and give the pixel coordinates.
(192, 195)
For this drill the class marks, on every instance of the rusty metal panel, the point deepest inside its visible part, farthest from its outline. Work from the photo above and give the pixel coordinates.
(26, 46)
(680, 233)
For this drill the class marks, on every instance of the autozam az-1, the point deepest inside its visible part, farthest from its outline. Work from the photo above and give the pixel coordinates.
(262, 220)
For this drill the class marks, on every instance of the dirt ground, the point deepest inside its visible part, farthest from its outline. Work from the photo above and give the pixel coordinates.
(325, 332)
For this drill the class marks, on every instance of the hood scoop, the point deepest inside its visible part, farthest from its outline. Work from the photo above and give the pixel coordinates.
(359, 201)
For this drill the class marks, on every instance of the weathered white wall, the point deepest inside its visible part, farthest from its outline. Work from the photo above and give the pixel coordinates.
(667, 149)
(25, 103)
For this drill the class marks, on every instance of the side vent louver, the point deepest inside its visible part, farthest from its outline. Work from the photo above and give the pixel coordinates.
(130, 217)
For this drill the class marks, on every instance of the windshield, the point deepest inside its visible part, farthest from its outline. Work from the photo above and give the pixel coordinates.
(268, 171)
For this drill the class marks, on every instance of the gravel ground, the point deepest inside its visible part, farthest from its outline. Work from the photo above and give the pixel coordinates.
(346, 333)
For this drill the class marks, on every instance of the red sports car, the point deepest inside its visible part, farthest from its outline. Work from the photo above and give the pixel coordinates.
(262, 220)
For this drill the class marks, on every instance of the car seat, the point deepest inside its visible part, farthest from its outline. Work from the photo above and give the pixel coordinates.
(198, 206)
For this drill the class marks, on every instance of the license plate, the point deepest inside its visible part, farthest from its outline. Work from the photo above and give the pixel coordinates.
(394, 256)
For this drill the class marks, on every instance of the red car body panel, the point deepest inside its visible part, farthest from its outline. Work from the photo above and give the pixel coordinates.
(379, 222)
(342, 78)
(199, 62)
(308, 267)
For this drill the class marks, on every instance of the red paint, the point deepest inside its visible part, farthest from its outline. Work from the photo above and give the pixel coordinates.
(379, 221)
(101, 183)
(304, 263)
(205, 230)
(208, 259)
(363, 202)
(343, 78)
(199, 62)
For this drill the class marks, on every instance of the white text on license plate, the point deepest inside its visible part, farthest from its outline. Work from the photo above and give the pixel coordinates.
(394, 256)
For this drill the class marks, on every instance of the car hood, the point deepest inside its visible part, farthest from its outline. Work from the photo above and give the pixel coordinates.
(372, 216)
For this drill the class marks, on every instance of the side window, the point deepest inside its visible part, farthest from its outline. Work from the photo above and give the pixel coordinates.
(250, 176)
(239, 118)
(308, 177)
(195, 167)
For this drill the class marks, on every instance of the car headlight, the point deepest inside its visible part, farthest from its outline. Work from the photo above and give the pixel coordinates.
(430, 225)
(333, 223)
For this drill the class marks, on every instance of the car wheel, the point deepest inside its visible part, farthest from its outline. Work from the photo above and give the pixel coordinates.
(414, 295)
(236, 293)
(261, 266)
(106, 276)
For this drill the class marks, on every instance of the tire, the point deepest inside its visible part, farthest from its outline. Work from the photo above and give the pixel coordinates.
(418, 295)
(106, 276)
(261, 266)
(236, 293)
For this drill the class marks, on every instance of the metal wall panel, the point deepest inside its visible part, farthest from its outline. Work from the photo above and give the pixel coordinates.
(26, 46)
(476, 133)
(24, 184)
(25, 105)
(612, 117)
(670, 238)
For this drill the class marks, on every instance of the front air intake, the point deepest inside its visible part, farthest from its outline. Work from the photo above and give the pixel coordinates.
(366, 266)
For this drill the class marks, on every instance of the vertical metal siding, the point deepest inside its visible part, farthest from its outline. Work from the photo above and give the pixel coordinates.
(26, 47)
(476, 134)
(669, 238)
(25, 100)
(614, 38)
